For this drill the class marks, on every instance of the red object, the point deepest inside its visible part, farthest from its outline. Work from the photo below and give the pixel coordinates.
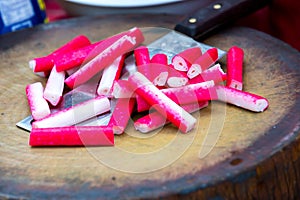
(72, 136)
(121, 114)
(156, 73)
(184, 60)
(203, 62)
(176, 78)
(191, 93)
(46, 63)
(160, 58)
(109, 76)
(38, 105)
(75, 114)
(122, 89)
(241, 99)
(141, 55)
(155, 120)
(235, 57)
(55, 86)
(214, 73)
(164, 105)
(110, 50)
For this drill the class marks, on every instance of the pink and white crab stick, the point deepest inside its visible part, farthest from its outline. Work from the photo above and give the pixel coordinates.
(184, 60)
(54, 87)
(176, 114)
(38, 105)
(46, 63)
(75, 114)
(110, 52)
(235, 58)
(72, 136)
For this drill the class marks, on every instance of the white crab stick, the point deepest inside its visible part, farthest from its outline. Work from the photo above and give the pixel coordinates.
(164, 105)
(75, 114)
(54, 87)
(38, 105)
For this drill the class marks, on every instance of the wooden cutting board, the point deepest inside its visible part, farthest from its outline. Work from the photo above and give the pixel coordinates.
(232, 154)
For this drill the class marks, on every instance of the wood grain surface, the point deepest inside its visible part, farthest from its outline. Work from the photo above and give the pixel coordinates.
(232, 154)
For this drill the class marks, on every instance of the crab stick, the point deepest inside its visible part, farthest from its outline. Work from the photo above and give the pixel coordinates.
(155, 120)
(72, 136)
(121, 114)
(159, 58)
(214, 73)
(126, 43)
(242, 99)
(191, 93)
(38, 105)
(164, 105)
(141, 55)
(54, 87)
(75, 114)
(203, 62)
(155, 72)
(46, 63)
(176, 78)
(122, 89)
(235, 58)
(184, 60)
(109, 76)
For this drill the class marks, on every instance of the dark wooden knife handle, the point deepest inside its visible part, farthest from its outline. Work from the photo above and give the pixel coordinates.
(217, 14)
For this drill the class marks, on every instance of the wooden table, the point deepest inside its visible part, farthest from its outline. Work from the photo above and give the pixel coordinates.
(256, 155)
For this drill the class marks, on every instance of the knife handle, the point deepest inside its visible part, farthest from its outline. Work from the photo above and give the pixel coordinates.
(216, 15)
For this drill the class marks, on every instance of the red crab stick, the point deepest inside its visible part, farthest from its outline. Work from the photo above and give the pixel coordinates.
(155, 120)
(54, 87)
(121, 114)
(235, 58)
(242, 99)
(176, 114)
(184, 60)
(46, 63)
(141, 55)
(214, 73)
(183, 95)
(38, 105)
(75, 114)
(109, 76)
(72, 136)
(126, 43)
(203, 62)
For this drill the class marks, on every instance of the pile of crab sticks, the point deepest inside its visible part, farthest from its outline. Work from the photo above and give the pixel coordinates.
(162, 91)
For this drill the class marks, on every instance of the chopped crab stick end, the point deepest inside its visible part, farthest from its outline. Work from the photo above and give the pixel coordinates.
(159, 58)
(121, 115)
(203, 62)
(164, 105)
(191, 93)
(214, 73)
(242, 99)
(46, 63)
(54, 87)
(141, 55)
(126, 43)
(176, 78)
(122, 89)
(235, 58)
(38, 105)
(109, 76)
(75, 114)
(155, 72)
(72, 136)
(183, 60)
(155, 120)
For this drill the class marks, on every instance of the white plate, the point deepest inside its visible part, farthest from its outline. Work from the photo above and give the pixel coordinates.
(123, 3)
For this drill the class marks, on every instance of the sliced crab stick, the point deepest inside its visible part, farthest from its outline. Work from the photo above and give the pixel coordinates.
(176, 114)
(109, 76)
(203, 62)
(141, 55)
(235, 58)
(72, 136)
(242, 99)
(75, 114)
(191, 93)
(126, 43)
(184, 60)
(54, 87)
(155, 72)
(155, 120)
(46, 63)
(121, 114)
(122, 89)
(176, 78)
(214, 73)
(159, 58)
(38, 105)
